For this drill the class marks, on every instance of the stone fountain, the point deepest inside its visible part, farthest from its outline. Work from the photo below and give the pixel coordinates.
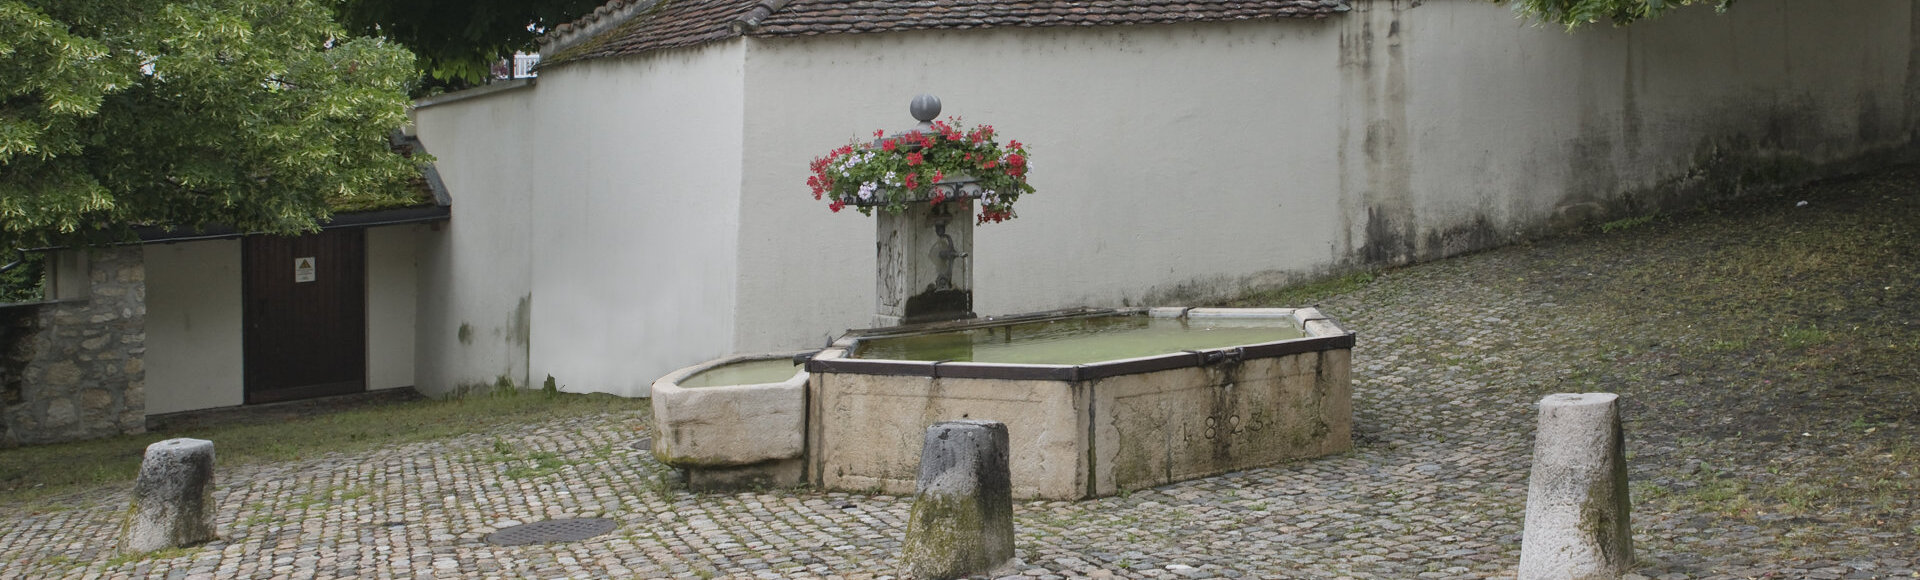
(1095, 401)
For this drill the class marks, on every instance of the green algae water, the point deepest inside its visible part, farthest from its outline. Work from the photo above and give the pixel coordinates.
(1073, 341)
(751, 372)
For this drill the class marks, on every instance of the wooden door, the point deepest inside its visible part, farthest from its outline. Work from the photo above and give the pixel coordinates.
(305, 317)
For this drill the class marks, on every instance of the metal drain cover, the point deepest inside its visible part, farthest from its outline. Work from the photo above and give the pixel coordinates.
(551, 531)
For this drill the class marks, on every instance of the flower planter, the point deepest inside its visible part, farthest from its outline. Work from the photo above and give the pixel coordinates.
(951, 189)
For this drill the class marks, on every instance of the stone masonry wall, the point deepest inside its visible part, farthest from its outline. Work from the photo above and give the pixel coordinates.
(73, 369)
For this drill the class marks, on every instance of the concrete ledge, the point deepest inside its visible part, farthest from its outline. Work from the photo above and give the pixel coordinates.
(474, 93)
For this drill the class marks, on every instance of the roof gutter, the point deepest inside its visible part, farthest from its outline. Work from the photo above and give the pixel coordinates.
(364, 219)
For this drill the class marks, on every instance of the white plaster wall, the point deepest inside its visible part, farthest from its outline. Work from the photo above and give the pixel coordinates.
(193, 358)
(635, 217)
(1177, 163)
(392, 299)
(1162, 155)
(1465, 126)
(475, 293)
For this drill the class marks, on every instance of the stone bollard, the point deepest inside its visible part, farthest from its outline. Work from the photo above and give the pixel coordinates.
(962, 521)
(173, 497)
(1578, 511)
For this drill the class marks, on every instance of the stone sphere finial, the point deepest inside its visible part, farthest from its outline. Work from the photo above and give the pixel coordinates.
(925, 108)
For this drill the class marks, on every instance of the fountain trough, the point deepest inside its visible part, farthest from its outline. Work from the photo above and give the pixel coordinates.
(1201, 392)
(733, 422)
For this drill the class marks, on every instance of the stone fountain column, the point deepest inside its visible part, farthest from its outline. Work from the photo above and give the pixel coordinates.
(923, 256)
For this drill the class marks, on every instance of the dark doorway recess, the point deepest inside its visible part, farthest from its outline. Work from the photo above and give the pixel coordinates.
(306, 315)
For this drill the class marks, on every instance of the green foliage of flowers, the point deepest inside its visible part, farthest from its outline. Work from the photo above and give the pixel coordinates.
(925, 166)
(1573, 13)
(260, 115)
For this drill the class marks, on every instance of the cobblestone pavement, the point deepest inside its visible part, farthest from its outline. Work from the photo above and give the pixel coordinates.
(1451, 357)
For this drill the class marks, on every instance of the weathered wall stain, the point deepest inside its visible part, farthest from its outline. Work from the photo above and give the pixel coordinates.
(519, 327)
(512, 341)
(1869, 119)
(520, 333)
(1374, 68)
(1912, 112)
(1477, 234)
(1629, 102)
(1593, 175)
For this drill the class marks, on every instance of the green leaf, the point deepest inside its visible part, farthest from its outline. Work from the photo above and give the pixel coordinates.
(1576, 13)
(260, 115)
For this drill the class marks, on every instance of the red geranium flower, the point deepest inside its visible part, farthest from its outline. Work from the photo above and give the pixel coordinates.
(862, 174)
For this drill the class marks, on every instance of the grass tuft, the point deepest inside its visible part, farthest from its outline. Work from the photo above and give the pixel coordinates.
(1621, 225)
(1302, 294)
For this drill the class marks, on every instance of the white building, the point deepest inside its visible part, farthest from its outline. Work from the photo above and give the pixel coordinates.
(642, 205)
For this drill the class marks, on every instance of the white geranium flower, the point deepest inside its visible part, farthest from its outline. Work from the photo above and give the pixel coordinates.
(866, 190)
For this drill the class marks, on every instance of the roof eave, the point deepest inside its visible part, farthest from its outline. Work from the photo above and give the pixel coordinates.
(360, 219)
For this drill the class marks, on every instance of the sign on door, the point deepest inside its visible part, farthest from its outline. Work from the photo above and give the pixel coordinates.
(303, 269)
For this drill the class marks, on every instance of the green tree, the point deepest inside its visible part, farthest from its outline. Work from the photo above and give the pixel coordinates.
(459, 40)
(20, 277)
(260, 114)
(1574, 13)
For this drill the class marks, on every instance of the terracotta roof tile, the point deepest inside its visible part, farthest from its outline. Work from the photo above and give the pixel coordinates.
(800, 17)
(666, 24)
(661, 25)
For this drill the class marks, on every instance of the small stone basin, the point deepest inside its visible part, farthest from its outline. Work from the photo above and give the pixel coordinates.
(733, 422)
(1095, 401)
